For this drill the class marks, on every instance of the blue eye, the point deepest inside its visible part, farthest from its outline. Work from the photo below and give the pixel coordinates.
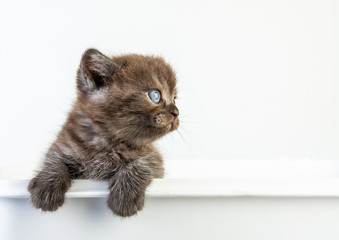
(154, 95)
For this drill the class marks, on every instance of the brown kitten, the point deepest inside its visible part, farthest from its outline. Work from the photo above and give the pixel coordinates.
(123, 105)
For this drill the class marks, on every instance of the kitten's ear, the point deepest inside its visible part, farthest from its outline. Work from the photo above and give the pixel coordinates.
(95, 71)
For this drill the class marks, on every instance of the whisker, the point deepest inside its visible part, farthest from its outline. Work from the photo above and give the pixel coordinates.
(186, 115)
(186, 142)
(182, 137)
(188, 132)
(187, 122)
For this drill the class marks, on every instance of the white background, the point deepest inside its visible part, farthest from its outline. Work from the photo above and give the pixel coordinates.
(257, 79)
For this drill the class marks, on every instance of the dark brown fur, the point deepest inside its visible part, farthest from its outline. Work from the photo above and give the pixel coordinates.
(109, 132)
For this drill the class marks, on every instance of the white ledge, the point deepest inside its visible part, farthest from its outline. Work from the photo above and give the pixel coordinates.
(196, 188)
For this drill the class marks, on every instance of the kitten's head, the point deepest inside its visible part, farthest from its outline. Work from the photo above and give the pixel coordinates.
(131, 97)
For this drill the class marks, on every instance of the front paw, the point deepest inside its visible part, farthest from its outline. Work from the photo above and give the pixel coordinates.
(45, 196)
(125, 206)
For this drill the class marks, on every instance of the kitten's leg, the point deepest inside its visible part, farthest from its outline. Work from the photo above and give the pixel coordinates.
(127, 187)
(48, 188)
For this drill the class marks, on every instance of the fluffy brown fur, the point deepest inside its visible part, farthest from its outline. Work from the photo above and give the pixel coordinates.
(110, 131)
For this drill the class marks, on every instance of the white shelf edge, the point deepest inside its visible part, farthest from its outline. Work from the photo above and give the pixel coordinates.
(196, 188)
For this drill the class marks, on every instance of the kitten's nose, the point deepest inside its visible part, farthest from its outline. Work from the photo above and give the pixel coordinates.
(174, 111)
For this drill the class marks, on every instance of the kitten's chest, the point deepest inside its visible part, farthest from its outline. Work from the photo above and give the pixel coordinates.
(105, 163)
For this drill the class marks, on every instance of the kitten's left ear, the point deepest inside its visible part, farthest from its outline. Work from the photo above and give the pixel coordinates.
(95, 71)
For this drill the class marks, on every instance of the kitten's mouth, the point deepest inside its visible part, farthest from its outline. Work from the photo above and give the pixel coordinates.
(166, 128)
(173, 125)
(169, 127)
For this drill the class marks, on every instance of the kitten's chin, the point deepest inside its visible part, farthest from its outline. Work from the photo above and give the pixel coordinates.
(172, 126)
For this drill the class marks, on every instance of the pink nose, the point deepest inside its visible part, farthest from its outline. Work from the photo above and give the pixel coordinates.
(175, 112)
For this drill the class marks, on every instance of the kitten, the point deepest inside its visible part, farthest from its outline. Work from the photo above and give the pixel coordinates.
(123, 105)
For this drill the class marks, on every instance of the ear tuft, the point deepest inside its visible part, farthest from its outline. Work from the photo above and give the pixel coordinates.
(95, 71)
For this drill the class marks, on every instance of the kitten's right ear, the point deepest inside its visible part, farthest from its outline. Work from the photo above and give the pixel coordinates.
(95, 71)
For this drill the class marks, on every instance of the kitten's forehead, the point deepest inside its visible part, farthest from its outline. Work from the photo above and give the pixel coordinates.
(152, 72)
(165, 77)
(168, 92)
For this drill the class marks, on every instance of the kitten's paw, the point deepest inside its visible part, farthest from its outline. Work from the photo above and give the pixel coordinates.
(45, 196)
(124, 206)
